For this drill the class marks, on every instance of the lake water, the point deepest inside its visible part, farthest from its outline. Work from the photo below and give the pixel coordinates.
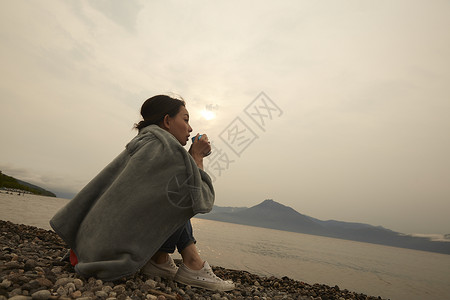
(389, 272)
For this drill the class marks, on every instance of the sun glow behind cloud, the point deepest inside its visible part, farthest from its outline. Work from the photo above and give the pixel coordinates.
(208, 114)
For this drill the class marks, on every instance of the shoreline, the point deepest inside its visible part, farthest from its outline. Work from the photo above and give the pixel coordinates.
(30, 268)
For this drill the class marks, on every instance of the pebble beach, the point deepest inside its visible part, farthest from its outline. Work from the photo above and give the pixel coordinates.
(31, 268)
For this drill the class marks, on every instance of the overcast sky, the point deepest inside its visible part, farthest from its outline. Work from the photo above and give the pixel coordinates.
(353, 123)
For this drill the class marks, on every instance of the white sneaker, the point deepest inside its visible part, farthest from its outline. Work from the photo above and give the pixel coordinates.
(204, 278)
(166, 270)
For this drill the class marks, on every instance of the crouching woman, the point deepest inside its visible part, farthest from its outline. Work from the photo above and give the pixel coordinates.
(137, 210)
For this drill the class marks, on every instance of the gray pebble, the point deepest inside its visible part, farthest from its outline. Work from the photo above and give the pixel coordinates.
(113, 294)
(14, 292)
(70, 287)
(63, 281)
(78, 283)
(5, 283)
(216, 296)
(57, 270)
(88, 294)
(122, 297)
(20, 297)
(76, 294)
(119, 289)
(151, 283)
(101, 294)
(30, 264)
(161, 285)
(41, 295)
(12, 265)
(62, 291)
(44, 282)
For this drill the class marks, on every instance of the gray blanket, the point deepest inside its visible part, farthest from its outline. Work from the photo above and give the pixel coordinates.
(122, 217)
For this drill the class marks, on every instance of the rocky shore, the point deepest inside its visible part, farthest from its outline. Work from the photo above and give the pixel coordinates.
(31, 268)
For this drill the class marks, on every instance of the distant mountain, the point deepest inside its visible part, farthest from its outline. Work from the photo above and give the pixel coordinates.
(268, 214)
(271, 214)
(9, 182)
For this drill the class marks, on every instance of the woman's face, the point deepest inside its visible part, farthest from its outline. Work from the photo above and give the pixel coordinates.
(179, 126)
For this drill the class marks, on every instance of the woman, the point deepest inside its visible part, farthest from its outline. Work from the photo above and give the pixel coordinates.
(138, 209)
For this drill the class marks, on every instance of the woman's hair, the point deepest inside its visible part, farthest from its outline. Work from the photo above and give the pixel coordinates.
(156, 108)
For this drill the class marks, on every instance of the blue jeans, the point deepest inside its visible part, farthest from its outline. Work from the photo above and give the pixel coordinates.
(182, 238)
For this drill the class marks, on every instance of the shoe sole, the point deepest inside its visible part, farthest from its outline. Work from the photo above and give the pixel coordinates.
(153, 276)
(211, 287)
(160, 273)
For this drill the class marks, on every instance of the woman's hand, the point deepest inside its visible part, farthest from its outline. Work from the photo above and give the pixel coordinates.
(199, 149)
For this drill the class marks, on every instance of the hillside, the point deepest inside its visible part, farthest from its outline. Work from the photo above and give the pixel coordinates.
(271, 214)
(8, 182)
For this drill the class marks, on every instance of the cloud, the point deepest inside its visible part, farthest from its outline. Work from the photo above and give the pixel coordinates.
(433, 237)
(120, 12)
(363, 87)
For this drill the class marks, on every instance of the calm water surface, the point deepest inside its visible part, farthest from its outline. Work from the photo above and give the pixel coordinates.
(366, 268)
(376, 270)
